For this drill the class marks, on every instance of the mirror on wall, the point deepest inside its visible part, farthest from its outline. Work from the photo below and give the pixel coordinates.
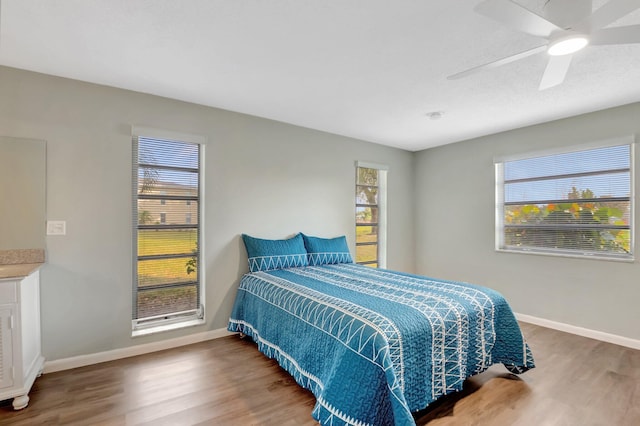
(22, 193)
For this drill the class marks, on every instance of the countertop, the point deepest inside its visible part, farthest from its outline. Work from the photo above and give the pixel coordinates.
(19, 270)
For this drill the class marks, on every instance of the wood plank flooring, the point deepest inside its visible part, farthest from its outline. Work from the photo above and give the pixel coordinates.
(577, 381)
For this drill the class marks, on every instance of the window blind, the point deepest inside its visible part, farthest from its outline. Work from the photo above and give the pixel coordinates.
(166, 229)
(574, 203)
(371, 214)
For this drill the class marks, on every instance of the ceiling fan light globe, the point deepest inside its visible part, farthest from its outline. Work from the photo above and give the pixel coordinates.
(567, 45)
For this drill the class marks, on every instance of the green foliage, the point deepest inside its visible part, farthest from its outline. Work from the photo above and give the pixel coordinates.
(559, 224)
(367, 176)
(364, 215)
(144, 217)
(192, 263)
(576, 194)
(367, 190)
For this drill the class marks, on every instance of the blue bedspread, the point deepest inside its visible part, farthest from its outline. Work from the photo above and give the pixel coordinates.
(374, 345)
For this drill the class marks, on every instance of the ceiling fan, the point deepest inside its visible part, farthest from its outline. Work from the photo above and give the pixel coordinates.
(574, 28)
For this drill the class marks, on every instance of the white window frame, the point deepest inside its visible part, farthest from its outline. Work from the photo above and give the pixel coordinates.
(145, 326)
(382, 208)
(500, 245)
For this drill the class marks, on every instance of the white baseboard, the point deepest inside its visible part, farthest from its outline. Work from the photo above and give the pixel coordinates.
(83, 360)
(580, 331)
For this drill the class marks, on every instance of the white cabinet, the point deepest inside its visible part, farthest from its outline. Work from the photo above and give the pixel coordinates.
(21, 358)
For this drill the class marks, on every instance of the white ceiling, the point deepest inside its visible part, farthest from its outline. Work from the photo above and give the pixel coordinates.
(368, 69)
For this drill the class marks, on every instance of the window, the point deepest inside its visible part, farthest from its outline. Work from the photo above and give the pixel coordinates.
(575, 203)
(371, 194)
(167, 278)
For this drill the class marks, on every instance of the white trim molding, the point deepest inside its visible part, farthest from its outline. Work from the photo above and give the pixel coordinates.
(84, 360)
(152, 132)
(580, 331)
(89, 359)
(369, 165)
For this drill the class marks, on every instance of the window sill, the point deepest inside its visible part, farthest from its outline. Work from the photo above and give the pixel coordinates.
(164, 326)
(568, 255)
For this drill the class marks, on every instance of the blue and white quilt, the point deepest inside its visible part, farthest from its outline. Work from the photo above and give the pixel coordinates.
(374, 345)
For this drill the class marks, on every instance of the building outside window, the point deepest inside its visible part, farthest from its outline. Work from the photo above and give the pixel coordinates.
(370, 215)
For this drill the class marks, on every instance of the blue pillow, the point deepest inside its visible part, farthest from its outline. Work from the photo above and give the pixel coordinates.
(324, 251)
(266, 255)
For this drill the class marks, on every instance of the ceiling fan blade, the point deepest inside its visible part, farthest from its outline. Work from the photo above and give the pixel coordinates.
(499, 62)
(556, 71)
(616, 35)
(565, 13)
(607, 13)
(516, 17)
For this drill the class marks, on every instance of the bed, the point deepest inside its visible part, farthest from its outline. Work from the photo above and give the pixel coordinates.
(372, 345)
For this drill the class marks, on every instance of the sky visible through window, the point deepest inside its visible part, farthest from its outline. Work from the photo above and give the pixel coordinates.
(595, 160)
(169, 153)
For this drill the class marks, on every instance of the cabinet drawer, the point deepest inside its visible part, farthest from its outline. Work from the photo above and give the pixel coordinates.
(8, 292)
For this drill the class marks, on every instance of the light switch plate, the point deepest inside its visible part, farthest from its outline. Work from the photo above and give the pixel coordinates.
(56, 227)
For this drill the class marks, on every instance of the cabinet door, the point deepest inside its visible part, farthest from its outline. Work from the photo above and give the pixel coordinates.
(6, 347)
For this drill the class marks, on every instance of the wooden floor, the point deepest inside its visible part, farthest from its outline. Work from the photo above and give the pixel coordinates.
(577, 381)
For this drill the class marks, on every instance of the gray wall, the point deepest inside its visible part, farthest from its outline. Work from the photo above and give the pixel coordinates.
(22, 193)
(263, 178)
(271, 180)
(455, 229)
